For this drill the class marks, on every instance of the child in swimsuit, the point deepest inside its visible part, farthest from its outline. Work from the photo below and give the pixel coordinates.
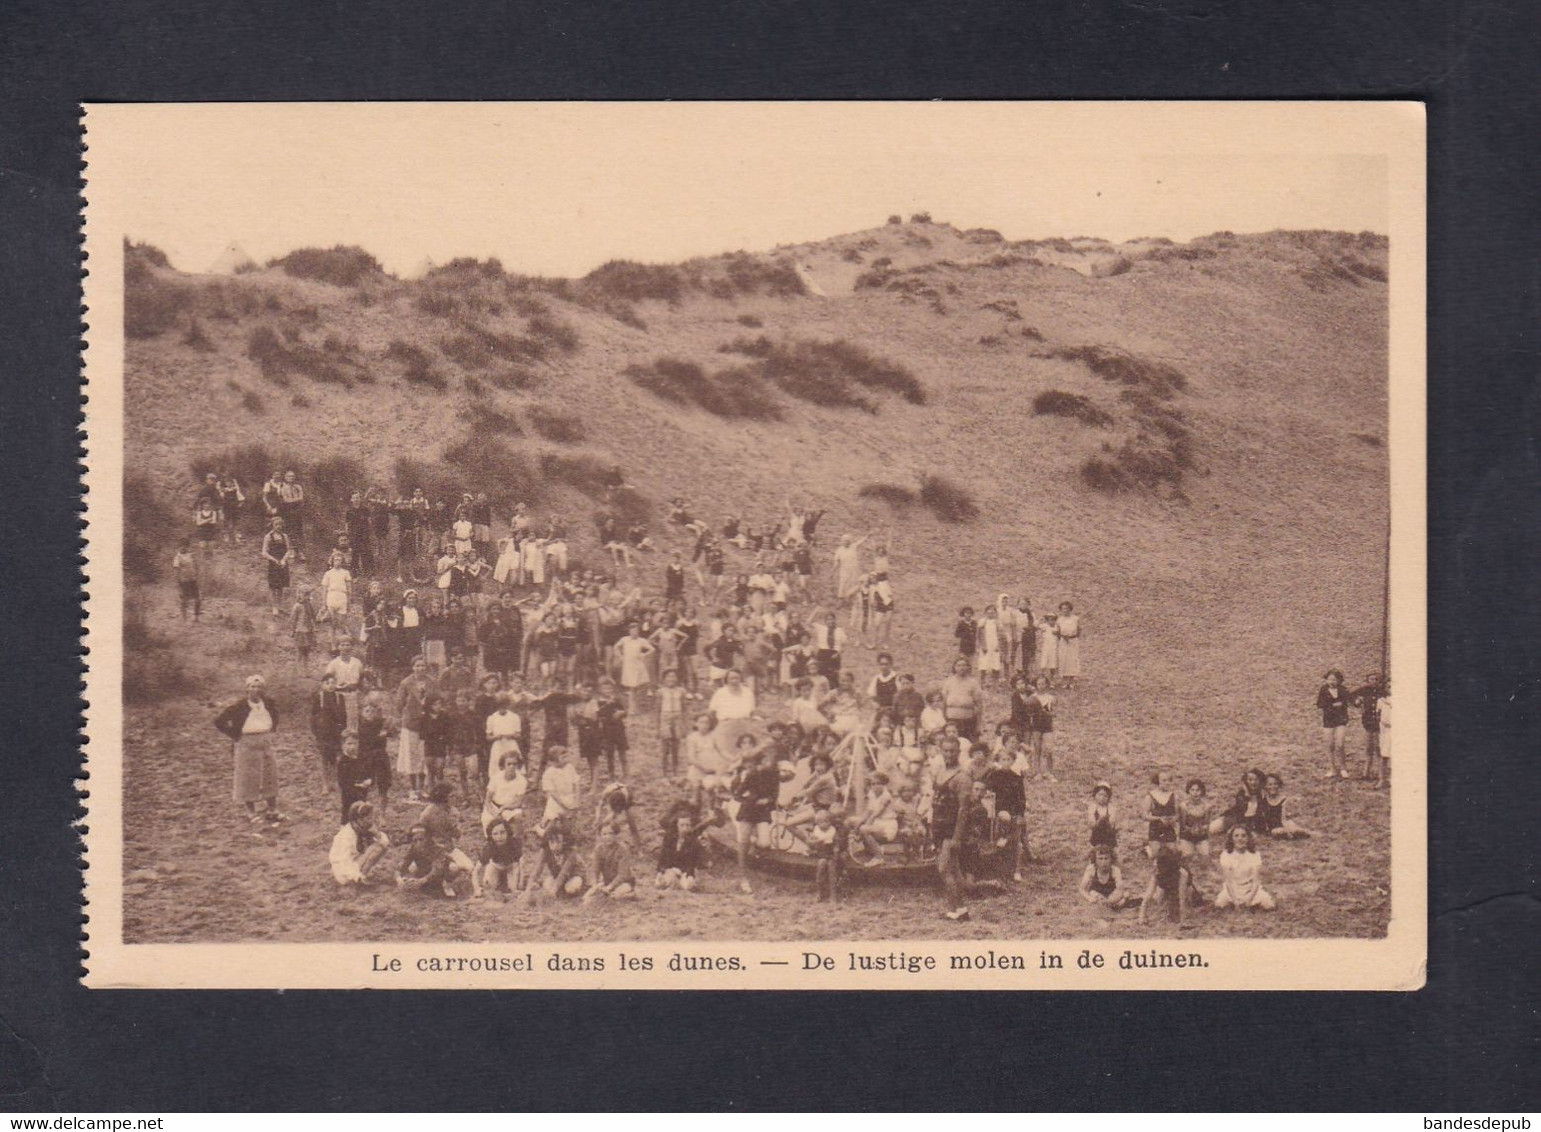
(1102, 817)
(1271, 812)
(1193, 820)
(1102, 884)
(1161, 809)
(1170, 883)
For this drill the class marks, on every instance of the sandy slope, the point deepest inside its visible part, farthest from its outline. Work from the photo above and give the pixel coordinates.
(1209, 618)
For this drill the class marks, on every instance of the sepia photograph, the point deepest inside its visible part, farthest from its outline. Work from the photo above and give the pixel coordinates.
(929, 538)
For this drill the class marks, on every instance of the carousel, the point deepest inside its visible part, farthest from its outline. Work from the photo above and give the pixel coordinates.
(776, 849)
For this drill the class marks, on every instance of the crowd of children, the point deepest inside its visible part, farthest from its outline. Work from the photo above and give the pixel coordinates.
(514, 689)
(1179, 833)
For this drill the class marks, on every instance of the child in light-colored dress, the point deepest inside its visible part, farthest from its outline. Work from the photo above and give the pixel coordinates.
(1241, 868)
(1067, 632)
(1048, 647)
(989, 659)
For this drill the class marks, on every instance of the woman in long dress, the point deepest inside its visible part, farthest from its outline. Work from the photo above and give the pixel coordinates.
(632, 652)
(249, 724)
(1068, 633)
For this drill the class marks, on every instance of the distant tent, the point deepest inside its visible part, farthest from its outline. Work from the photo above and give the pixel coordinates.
(424, 266)
(231, 260)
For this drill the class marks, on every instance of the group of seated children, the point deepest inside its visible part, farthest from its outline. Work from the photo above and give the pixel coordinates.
(1178, 837)
(435, 865)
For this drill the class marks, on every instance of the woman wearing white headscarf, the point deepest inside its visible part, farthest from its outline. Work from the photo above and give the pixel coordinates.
(249, 724)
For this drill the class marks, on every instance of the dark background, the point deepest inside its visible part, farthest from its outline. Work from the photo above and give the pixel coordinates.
(1466, 1042)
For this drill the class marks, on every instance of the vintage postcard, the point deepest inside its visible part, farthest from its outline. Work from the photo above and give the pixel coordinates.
(797, 545)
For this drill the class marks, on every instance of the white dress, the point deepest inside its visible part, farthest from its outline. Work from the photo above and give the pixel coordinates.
(504, 729)
(726, 705)
(1048, 647)
(508, 561)
(1069, 645)
(345, 856)
(634, 652)
(1241, 881)
(990, 646)
(847, 571)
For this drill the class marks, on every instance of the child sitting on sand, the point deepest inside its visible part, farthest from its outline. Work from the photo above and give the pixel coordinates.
(1272, 815)
(444, 832)
(681, 853)
(424, 869)
(1241, 868)
(558, 871)
(613, 875)
(358, 846)
(1102, 884)
(499, 864)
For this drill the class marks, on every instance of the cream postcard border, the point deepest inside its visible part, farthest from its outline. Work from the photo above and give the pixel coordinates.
(1397, 962)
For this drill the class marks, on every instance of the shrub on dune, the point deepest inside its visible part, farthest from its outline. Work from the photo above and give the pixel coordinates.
(946, 500)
